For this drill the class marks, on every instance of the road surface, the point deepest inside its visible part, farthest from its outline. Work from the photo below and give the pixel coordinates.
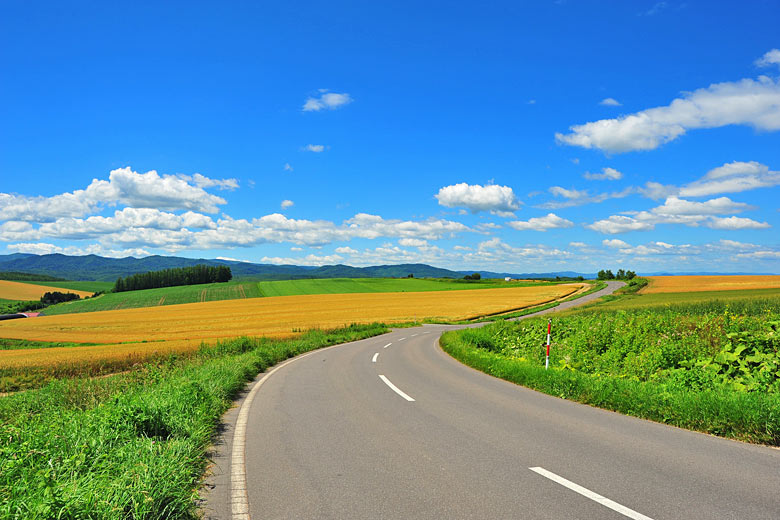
(392, 427)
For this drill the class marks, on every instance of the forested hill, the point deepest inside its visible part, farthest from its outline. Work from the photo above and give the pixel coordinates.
(93, 267)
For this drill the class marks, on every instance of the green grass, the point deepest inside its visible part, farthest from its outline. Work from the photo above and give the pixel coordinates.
(132, 445)
(638, 301)
(709, 365)
(76, 286)
(163, 296)
(244, 289)
(18, 344)
(378, 285)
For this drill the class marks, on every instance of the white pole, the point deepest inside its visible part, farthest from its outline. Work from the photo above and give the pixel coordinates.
(549, 330)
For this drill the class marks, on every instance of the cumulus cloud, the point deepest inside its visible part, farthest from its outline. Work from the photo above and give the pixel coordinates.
(681, 211)
(615, 243)
(755, 103)
(287, 167)
(287, 204)
(201, 181)
(500, 200)
(326, 101)
(610, 102)
(607, 174)
(581, 197)
(43, 248)
(316, 148)
(732, 177)
(770, 58)
(412, 242)
(736, 223)
(550, 221)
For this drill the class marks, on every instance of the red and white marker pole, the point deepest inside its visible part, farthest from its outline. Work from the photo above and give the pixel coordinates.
(549, 330)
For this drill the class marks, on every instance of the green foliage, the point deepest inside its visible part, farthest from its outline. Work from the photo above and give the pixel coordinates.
(51, 298)
(198, 274)
(474, 276)
(164, 296)
(16, 306)
(721, 350)
(132, 445)
(17, 276)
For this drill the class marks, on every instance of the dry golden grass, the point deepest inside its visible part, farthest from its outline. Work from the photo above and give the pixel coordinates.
(181, 328)
(675, 284)
(25, 291)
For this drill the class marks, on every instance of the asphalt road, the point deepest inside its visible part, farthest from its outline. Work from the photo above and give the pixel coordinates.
(328, 436)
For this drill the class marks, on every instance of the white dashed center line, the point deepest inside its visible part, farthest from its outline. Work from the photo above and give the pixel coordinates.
(387, 345)
(395, 388)
(623, 510)
(373, 359)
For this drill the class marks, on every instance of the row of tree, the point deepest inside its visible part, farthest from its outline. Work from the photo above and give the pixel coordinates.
(621, 275)
(194, 275)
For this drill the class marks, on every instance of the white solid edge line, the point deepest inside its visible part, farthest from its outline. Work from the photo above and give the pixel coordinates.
(623, 510)
(373, 359)
(239, 500)
(395, 388)
(387, 345)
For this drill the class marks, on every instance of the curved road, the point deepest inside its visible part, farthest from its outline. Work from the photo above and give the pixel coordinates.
(392, 427)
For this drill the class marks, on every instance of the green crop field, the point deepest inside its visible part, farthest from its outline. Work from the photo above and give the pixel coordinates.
(163, 296)
(639, 301)
(375, 285)
(238, 289)
(76, 286)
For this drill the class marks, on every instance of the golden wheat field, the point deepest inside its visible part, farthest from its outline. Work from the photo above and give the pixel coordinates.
(183, 327)
(25, 291)
(672, 284)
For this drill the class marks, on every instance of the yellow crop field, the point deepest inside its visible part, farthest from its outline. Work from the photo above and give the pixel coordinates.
(676, 284)
(137, 334)
(25, 291)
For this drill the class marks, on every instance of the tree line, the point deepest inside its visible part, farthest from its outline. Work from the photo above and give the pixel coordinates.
(621, 275)
(194, 275)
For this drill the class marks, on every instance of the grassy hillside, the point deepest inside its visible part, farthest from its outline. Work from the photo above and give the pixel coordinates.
(238, 289)
(372, 285)
(163, 296)
(639, 301)
(77, 286)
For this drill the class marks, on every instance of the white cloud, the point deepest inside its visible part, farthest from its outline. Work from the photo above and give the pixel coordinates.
(607, 174)
(754, 103)
(582, 197)
(615, 243)
(412, 242)
(346, 250)
(94, 249)
(201, 181)
(287, 167)
(736, 223)
(620, 224)
(719, 206)
(550, 221)
(500, 200)
(287, 204)
(316, 148)
(761, 255)
(657, 8)
(326, 101)
(579, 245)
(610, 102)
(732, 177)
(770, 58)
(312, 260)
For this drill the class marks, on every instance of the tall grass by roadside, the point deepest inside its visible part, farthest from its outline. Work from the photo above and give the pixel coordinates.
(131, 445)
(752, 417)
(709, 366)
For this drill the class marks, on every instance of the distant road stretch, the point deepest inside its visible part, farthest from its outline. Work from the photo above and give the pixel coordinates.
(392, 427)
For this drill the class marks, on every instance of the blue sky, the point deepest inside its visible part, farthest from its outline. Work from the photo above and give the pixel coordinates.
(517, 136)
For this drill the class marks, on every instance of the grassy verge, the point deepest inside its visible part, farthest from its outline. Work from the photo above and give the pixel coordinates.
(752, 417)
(131, 445)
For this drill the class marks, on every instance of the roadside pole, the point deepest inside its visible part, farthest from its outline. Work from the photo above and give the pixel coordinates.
(549, 330)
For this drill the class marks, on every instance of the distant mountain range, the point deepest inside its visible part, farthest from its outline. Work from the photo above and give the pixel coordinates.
(93, 267)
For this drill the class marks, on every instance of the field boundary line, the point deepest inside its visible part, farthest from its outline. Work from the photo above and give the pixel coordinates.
(239, 500)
